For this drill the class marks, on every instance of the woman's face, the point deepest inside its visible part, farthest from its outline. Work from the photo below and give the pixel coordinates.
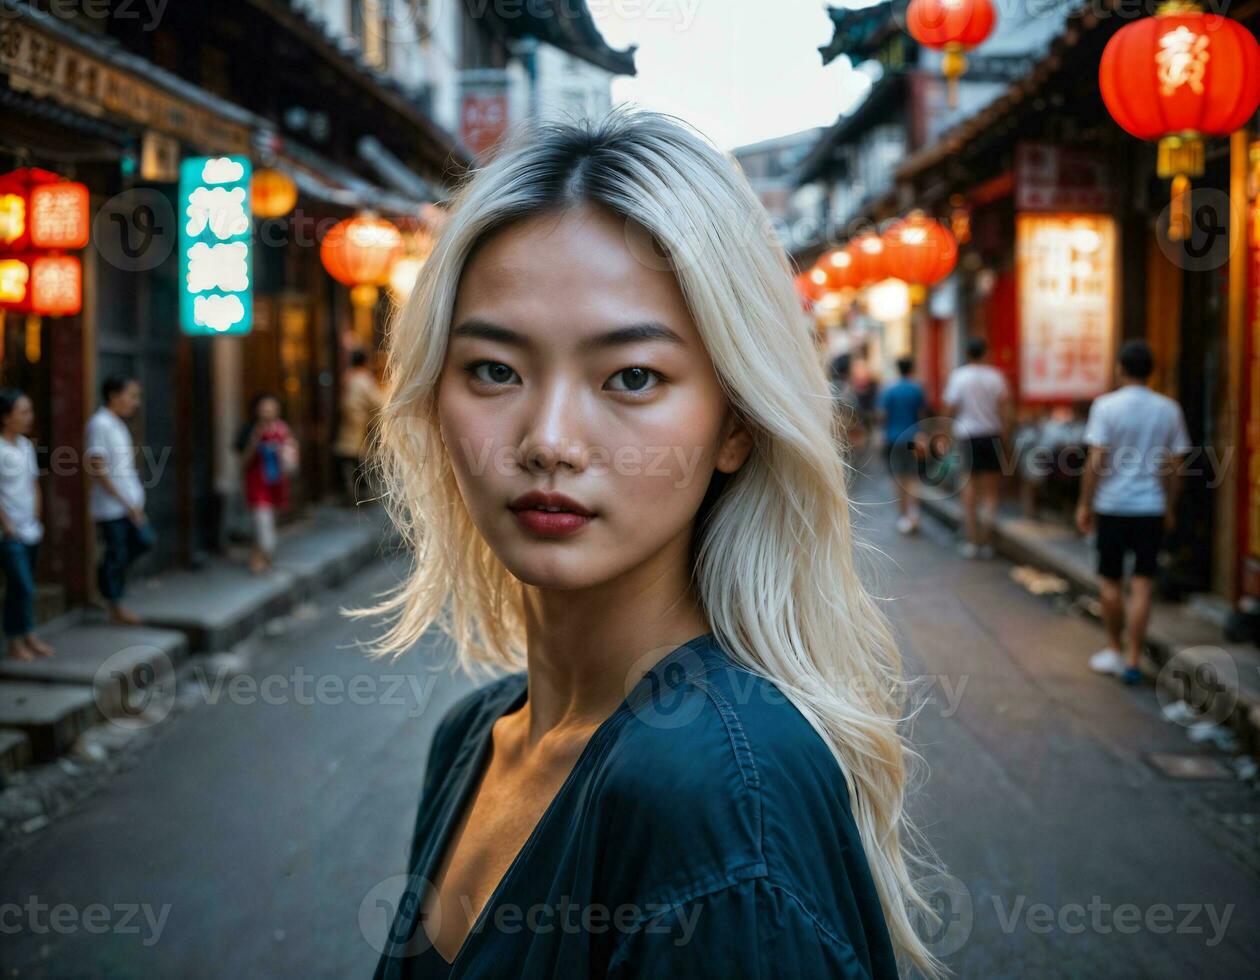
(268, 410)
(575, 369)
(21, 419)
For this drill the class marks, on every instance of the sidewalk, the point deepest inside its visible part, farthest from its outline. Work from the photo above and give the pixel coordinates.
(1185, 646)
(46, 704)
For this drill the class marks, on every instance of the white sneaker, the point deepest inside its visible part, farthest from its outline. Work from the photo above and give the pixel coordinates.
(968, 550)
(985, 551)
(1107, 661)
(905, 525)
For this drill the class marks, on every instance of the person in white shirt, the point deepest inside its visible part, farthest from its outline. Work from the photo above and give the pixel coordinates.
(977, 397)
(1137, 442)
(361, 399)
(116, 501)
(20, 521)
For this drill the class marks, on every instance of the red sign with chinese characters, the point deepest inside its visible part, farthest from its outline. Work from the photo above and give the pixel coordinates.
(40, 211)
(1066, 272)
(58, 215)
(1054, 178)
(483, 119)
(47, 285)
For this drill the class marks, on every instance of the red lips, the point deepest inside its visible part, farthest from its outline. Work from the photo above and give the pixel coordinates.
(539, 500)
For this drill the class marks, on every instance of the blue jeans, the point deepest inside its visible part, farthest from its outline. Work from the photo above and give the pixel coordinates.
(124, 542)
(19, 586)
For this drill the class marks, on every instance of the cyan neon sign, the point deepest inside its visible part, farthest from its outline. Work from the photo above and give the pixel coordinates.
(215, 250)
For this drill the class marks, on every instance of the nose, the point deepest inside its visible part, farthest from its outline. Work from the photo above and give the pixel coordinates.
(552, 438)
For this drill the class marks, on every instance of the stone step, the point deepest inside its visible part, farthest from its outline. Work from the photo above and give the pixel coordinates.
(15, 751)
(121, 664)
(51, 715)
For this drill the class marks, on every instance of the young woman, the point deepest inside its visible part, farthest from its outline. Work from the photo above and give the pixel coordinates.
(616, 461)
(268, 451)
(20, 521)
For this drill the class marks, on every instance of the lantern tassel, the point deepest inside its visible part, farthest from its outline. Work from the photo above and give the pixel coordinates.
(952, 67)
(1179, 212)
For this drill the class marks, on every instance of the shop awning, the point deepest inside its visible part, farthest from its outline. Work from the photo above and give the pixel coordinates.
(883, 95)
(564, 24)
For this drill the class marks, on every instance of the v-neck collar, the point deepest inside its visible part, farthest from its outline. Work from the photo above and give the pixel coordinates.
(477, 749)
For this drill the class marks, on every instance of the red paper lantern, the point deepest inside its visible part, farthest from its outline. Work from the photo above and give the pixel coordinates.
(952, 26)
(919, 250)
(1177, 77)
(47, 285)
(868, 260)
(40, 210)
(837, 267)
(361, 251)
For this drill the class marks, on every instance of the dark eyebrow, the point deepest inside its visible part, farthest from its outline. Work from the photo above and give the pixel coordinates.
(631, 334)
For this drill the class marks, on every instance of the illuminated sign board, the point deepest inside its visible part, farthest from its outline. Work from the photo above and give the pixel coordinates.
(215, 250)
(1067, 304)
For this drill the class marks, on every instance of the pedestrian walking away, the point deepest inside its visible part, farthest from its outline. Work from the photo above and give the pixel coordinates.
(360, 401)
(978, 398)
(20, 506)
(904, 406)
(599, 586)
(1137, 441)
(269, 456)
(117, 497)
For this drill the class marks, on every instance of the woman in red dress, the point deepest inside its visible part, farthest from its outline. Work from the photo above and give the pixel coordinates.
(269, 455)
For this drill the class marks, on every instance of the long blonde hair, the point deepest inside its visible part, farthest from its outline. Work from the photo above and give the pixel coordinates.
(773, 556)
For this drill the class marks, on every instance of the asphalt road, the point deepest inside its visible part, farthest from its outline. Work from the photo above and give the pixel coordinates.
(261, 832)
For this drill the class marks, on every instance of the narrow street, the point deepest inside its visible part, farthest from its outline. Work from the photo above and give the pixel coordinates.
(259, 834)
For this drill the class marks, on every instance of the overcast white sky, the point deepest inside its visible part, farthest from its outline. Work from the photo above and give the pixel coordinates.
(738, 70)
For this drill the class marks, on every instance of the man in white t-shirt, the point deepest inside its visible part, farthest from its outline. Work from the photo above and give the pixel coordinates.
(1137, 442)
(977, 396)
(116, 499)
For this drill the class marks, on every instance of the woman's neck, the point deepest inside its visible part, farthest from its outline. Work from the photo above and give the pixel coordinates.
(10, 435)
(587, 648)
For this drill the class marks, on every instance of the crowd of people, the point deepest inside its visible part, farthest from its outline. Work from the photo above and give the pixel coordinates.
(1127, 486)
(268, 454)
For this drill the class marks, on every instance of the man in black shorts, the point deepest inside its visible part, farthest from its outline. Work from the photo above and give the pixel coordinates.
(977, 397)
(1137, 440)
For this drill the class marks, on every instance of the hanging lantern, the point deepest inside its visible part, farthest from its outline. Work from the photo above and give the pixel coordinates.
(868, 261)
(272, 193)
(46, 285)
(361, 251)
(919, 250)
(38, 209)
(837, 267)
(952, 26)
(1177, 77)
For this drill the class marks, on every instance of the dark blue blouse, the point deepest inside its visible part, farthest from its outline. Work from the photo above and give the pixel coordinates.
(704, 831)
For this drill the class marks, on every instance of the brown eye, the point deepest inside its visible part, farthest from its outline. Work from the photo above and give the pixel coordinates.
(636, 379)
(491, 372)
